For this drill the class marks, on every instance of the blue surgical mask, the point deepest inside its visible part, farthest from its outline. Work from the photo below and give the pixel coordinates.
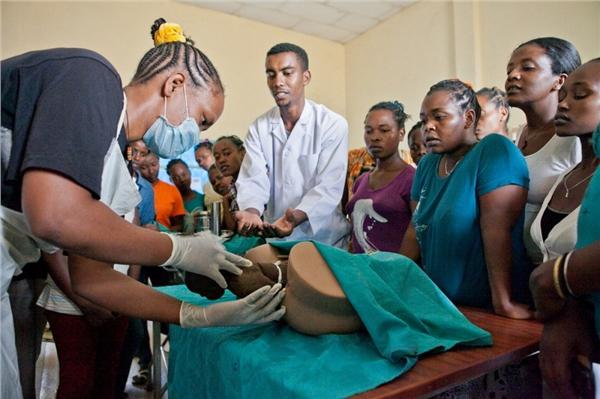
(169, 141)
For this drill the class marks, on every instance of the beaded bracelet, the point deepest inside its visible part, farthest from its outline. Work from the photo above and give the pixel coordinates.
(556, 277)
(565, 267)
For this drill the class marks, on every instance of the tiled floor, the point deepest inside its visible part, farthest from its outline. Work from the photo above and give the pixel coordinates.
(47, 375)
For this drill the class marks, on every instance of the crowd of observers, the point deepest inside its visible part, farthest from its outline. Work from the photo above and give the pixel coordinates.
(478, 208)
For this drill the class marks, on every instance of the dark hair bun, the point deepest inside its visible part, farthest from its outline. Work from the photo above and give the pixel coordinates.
(395, 107)
(398, 105)
(157, 23)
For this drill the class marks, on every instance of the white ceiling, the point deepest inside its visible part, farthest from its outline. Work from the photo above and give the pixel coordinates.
(336, 20)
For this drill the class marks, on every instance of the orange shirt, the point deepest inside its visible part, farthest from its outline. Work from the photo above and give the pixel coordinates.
(167, 202)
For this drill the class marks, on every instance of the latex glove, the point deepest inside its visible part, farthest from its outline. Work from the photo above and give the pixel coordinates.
(203, 254)
(259, 307)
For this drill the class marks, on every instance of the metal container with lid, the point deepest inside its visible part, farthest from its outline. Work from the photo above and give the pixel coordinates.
(203, 221)
(215, 218)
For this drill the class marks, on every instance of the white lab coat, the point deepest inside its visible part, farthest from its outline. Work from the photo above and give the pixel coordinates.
(304, 170)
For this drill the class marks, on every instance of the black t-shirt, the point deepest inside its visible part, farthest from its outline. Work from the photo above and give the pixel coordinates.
(62, 106)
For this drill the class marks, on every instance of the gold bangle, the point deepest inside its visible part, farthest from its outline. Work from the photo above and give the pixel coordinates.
(556, 277)
(565, 267)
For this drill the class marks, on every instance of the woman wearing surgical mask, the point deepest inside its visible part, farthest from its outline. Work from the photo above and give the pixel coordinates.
(65, 183)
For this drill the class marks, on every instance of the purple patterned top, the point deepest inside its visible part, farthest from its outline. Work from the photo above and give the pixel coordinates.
(380, 217)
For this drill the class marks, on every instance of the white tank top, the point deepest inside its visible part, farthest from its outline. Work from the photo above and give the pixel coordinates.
(545, 166)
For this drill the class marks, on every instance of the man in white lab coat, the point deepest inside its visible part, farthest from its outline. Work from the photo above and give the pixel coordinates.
(296, 158)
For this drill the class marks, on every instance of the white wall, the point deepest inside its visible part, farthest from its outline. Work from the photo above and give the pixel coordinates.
(505, 25)
(430, 41)
(120, 31)
(398, 59)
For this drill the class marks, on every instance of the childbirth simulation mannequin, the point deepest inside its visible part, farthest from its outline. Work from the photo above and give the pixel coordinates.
(315, 303)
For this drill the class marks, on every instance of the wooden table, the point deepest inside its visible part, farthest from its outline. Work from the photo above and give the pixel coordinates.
(513, 341)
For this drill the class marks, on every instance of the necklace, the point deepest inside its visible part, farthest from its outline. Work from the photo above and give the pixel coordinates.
(531, 136)
(448, 172)
(567, 188)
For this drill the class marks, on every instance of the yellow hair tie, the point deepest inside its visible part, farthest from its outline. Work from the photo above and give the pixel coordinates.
(169, 32)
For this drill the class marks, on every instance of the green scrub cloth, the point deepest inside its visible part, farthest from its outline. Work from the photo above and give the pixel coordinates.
(405, 315)
(239, 245)
(196, 203)
(588, 228)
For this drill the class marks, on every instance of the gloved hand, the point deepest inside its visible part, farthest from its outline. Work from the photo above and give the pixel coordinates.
(261, 306)
(203, 254)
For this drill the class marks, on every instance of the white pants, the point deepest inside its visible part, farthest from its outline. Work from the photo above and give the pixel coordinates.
(17, 248)
(10, 386)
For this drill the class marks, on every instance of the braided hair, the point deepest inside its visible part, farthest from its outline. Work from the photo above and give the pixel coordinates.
(396, 108)
(235, 140)
(170, 54)
(497, 97)
(462, 94)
